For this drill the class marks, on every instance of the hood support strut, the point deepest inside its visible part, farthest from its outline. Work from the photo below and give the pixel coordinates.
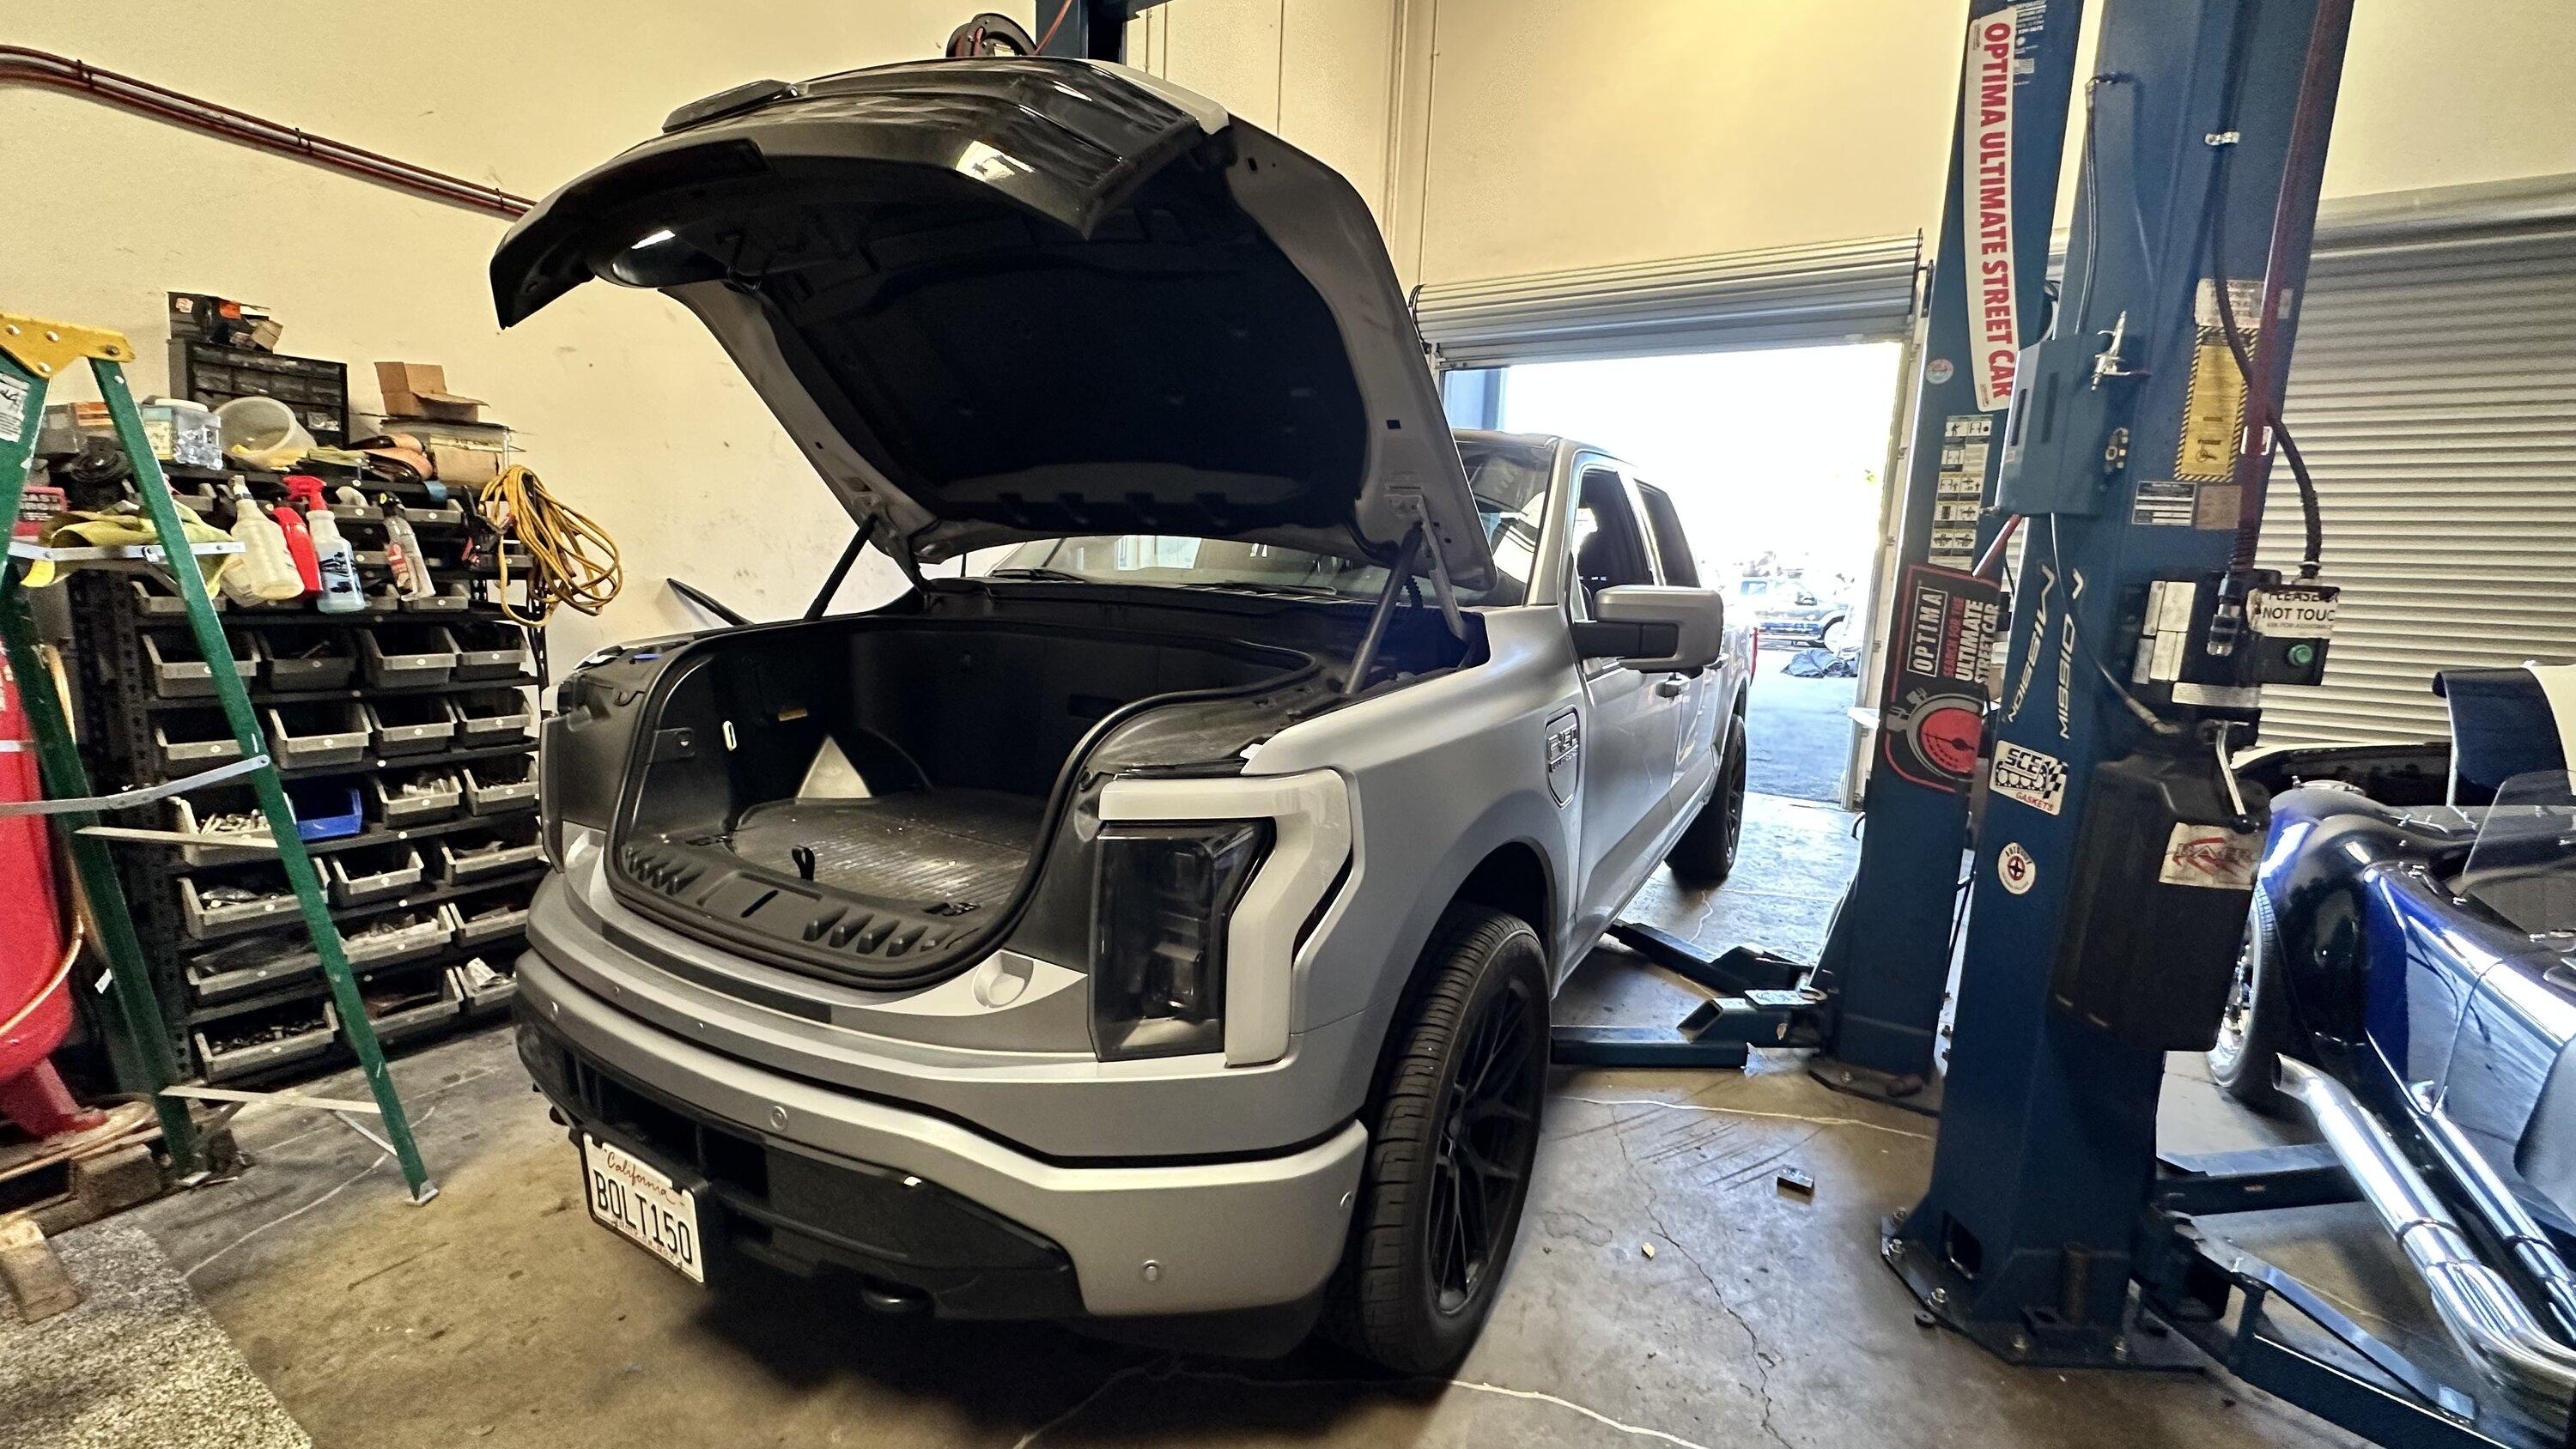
(1398, 579)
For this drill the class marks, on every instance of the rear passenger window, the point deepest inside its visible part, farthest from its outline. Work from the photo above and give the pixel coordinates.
(1672, 549)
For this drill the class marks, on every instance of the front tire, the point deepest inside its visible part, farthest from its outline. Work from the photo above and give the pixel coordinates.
(1705, 853)
(2245, 1062)
(1453, 1136)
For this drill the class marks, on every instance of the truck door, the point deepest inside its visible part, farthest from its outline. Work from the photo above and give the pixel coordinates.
(1631, 732)
(1697, 727)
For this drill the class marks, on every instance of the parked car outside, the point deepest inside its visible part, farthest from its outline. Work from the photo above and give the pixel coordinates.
(1791, 615)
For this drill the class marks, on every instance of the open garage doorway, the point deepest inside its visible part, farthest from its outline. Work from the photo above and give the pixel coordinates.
(1777, 459)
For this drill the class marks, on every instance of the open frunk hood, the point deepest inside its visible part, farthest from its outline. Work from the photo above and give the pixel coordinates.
(1005, 299)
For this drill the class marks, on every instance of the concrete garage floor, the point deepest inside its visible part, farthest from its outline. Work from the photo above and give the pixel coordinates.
(500, 1315)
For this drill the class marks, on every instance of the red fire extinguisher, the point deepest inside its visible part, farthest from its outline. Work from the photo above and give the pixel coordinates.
(35, 959)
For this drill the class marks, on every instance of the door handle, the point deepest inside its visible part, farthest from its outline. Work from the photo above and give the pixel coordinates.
(1670, 686)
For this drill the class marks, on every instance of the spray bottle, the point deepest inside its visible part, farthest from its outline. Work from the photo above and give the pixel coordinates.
(402, 553)
(264, 571)
(333, 557)
(299, 547)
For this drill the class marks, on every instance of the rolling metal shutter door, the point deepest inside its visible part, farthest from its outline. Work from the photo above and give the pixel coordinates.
(2434, 392)
(1782, 297)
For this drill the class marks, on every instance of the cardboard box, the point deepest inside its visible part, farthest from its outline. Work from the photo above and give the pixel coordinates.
(419, 390)
(464, 454)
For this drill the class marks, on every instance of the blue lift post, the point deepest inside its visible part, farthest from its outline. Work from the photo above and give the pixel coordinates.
(1873, 1000)
(1887, 957)
(2048, 1204)
(1087, 29)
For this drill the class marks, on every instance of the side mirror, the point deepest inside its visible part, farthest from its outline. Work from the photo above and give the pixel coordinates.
(1651, 627)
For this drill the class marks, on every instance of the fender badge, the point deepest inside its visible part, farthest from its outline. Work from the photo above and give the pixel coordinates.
(1564, 756)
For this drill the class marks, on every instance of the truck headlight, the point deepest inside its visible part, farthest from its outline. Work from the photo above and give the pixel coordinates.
(1160, 903)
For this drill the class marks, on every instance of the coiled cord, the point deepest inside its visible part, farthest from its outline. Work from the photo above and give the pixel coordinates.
(572, 562)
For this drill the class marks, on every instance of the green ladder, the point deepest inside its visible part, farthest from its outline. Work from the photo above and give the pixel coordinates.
(33, 353)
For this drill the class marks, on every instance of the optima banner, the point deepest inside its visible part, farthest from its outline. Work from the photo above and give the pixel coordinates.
(1985, 205)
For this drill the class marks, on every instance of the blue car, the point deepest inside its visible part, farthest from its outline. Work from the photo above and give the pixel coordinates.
(2408, 980)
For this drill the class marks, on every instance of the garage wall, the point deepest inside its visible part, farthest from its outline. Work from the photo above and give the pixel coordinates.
(631, 411)
(1317, 72)
(1569, 133)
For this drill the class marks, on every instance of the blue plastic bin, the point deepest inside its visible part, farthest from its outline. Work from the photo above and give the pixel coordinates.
(327, 810)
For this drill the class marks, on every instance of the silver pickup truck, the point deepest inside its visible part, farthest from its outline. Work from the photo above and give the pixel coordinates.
(1157, 930)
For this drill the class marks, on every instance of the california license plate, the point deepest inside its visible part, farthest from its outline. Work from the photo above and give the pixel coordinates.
(639, 1203)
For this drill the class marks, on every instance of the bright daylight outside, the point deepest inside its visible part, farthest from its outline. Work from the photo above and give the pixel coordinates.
(1775, 459)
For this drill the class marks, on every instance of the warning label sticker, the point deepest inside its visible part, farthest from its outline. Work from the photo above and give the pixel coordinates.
(2213, 412)
(2211, 857)
(13, 408)
(2035, 779)
(1967, 425)
(2292, 612)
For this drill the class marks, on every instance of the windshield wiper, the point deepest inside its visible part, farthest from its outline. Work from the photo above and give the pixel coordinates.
(1052, 576)
(1248, 586)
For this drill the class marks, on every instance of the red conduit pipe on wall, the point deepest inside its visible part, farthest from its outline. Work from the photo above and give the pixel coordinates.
(44, 70)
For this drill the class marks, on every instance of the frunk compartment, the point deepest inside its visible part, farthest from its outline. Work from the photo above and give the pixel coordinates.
(405, 798)
(263, 1039)
(410, 724)
(309, 657)
(912, 757)
(405, 656)
(189, 740)
(372, 873)
(408, 1000)
(230, 899)
(462, 859)
(493, 716)
(489, 650)
(491, 915)
(495, 786)
(179, 669)
(310, 735)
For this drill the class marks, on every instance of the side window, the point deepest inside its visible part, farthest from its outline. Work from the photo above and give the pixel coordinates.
(1672, 549)
(1609, 549)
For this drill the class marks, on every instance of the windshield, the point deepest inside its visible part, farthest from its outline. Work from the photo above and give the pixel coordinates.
(2523, 866)
(1509, 481)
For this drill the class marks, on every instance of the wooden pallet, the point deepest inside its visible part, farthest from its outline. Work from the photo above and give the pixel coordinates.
(60, 1183)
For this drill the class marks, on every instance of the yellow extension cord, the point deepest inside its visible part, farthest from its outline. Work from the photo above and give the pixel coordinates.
(571, 559)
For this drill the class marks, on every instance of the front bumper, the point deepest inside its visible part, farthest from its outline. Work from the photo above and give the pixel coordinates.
(1006, 1228)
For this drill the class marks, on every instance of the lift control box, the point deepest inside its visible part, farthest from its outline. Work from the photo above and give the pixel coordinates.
(2163, 877)
(2193, 653)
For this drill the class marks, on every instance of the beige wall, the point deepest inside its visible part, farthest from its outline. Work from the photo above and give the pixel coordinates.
(1581, 132)
(1317, 72)
(630, 410)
